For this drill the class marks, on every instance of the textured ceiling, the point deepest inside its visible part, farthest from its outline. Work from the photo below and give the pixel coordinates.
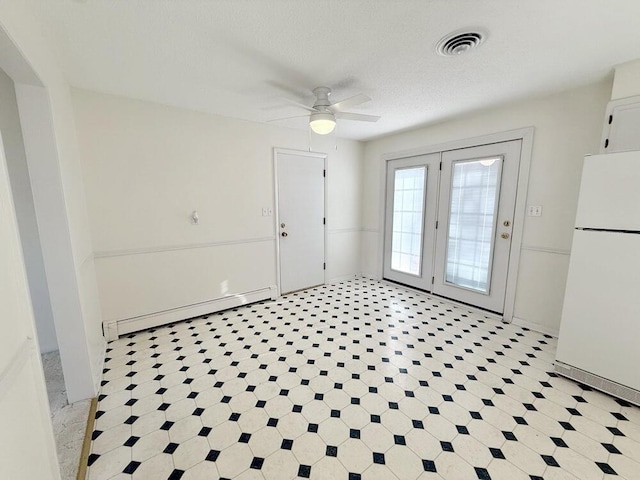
(239, 57)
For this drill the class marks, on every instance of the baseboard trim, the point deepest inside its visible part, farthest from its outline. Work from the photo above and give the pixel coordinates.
(343, 278)
(86, 443)
(114, 329)
(535, 327)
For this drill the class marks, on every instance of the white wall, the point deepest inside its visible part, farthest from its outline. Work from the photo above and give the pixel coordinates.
(567, 126)
(147, 167)
(26, 214)
(48, 130)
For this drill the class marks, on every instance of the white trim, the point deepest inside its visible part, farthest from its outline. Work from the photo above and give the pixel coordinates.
(370, 230)
(524, 134)
(343, 278)
(556, 251)
(535, 327)
(15, 365)
(114, 329)
(186, 246)
(284, 151)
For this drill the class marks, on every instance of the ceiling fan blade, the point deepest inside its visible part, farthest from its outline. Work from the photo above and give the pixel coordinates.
(350, 102)
(287, 118)
(298, 104)
(357, 116)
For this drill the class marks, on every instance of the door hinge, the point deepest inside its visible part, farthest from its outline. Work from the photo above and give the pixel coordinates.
(433, 280)
(324, 266)
(606, 143)
(440, 166)
(610, 119)
(436, 224)
(324, 220)
(324, 173)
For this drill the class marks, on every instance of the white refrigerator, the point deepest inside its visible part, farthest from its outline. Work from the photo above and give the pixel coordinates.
(599, 339)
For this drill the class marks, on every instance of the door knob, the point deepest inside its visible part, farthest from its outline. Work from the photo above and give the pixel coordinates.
(284, 234)
(505, 235)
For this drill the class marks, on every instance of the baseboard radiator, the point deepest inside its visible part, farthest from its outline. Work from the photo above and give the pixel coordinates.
(599, 383)
(116, 328)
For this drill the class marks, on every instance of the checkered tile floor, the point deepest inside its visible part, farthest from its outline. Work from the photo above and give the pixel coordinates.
(359, 380)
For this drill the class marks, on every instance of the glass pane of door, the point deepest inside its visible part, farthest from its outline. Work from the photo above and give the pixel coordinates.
(407, 220)
(472, 221)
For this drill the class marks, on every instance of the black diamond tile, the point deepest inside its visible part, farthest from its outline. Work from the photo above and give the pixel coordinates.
(434, 410)
(163, 406)
(611, 448)
(234, 417)
(332, 451)
(272, 422)
(615, 431)
(95, 434)
(176, 475)
(204, 431)
(446, 446)
(212, 456)
(417, 424)
(475, 415)
(198, 412)
(509, 436)
(520, 421)
(244, 438)
(355, 476)
(170, 448)
(335, 413)
(131, 441)
(566, 425)
(482, 473)
(286, 444)
(92, 458)
(297, 408)
(620, 417)
(549, 460)
(606, 468)
(129, 469)
(462, 429)
(496, 453)
(318, 396)
(166, 425)
(559, 442)
(131, 420)
(353, 433)
(378, 458)
(261, 404)
(313, 428)
(375, 419)
(257, 463)
(304, 471)
(429, 466)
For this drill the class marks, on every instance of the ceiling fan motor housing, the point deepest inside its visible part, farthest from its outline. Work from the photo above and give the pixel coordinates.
(322, 97)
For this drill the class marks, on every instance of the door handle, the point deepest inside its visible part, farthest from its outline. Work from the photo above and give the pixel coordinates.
(284, 234)
(505, 235)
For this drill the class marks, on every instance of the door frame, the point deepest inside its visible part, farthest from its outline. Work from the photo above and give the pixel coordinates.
(276, 224)
(524, 134)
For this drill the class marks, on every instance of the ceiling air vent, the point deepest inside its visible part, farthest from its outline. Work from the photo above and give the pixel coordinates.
(459, 42)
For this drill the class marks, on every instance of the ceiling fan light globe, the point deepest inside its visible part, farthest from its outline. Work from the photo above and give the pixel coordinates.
(322, 123)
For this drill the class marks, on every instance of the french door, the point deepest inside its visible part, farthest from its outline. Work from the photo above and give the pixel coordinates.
(412, 189)
(466, 220)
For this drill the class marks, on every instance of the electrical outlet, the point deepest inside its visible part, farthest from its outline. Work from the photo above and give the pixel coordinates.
(534, 210)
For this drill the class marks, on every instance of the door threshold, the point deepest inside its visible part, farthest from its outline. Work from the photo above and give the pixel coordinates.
(476, 309)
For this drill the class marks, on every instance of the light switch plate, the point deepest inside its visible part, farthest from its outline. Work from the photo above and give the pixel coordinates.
(534, 210)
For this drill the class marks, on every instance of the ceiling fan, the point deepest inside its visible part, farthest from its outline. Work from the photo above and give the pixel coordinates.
(323, 114)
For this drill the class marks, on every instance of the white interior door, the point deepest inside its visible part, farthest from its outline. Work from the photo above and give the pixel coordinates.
(412, 185)
(476, 209)
(301, 220)
(27, 448)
